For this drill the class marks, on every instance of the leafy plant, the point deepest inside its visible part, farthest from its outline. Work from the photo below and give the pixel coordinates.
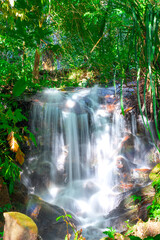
(134, 238)
(135, 197)
(6, 208)
(77, 233)
(110, 232)
(148, 238)
(130, 229)
(154, 208)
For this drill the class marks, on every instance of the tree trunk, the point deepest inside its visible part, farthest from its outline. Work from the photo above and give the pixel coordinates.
(36, 66)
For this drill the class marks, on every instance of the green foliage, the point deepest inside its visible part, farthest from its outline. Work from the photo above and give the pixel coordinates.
(135, 197)
(134, 238)
(19, 88)
(77, 233)
(64, 217)
(130, 229)
(110, 232)
(9, 171)
(10, 139)
(154, 208)
(148, 238)
(5, 208)
(114, 36)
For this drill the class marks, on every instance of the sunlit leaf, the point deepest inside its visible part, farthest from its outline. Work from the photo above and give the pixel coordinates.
(12, 142)
(20, 156)
(128, 109)
(58, 218)
(68, 215)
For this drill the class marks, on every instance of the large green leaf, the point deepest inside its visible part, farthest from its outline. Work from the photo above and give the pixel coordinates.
(19, 88)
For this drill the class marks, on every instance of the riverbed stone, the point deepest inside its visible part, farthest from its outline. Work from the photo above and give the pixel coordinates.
(18, 226)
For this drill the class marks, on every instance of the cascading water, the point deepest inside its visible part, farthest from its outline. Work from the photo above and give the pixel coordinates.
(80, 162)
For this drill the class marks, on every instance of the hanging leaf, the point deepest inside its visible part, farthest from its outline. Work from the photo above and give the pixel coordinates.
(128, 110)
(19, 88)
(12, 142)
(27, 141)
(19, 116)
(31, 136)
(20, 156)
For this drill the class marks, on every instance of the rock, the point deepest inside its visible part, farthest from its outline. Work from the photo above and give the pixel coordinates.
(44, 215)
(18, 226)
(146, 229)
(130, 209)
(154, 175)
(153, 156)
(143, 230)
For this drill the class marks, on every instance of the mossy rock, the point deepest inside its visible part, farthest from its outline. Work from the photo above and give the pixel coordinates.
(19, 226)
(155, 173)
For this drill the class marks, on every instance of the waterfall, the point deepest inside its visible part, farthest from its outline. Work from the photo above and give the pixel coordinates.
(86, 152)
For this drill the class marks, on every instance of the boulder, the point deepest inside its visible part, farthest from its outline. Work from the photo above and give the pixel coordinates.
(145, 229)
(44, 215)
(18, 226)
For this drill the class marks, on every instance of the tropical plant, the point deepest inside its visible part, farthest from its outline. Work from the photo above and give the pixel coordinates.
(77, 233)
(110, 232)
(154, 208)
(120, 39)
(11, 156)
(1, 234)
(6, 208)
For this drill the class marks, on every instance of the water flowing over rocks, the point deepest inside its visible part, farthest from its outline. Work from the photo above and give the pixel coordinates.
(130, 209)
(89, 157)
